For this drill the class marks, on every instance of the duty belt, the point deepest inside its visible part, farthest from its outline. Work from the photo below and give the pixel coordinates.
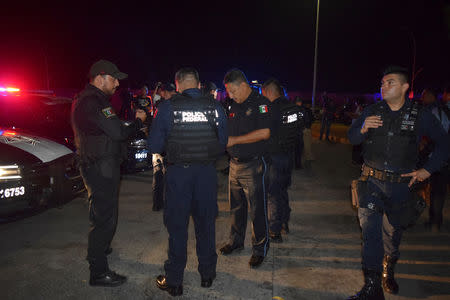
(245, 159)
(383, 175)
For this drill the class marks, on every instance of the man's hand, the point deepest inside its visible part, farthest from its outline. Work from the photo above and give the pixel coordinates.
(371, 122)
(144, 130)
(419, 175)
(140, 114)
(231, 141)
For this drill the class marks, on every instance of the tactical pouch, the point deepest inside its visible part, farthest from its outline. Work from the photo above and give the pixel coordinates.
(358, 189)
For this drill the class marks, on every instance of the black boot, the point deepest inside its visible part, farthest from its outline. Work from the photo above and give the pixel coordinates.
(389, 283)
(372, 287)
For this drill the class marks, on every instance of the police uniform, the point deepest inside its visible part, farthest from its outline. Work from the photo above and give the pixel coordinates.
(98, 135)
(191, 129)
(389, 151)
(287, 124)
(248, 167)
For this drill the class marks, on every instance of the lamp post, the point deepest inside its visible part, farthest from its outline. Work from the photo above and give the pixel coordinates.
(315, 57)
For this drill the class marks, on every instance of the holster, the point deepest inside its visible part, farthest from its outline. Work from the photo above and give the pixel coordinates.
(358, 189)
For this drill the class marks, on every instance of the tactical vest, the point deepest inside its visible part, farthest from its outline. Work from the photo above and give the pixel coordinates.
(393, 146)
(291, 126)
(193, 137)
(92, 147)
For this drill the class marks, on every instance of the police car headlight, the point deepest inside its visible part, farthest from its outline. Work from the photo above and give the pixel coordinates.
(140, 142)
(10, 172)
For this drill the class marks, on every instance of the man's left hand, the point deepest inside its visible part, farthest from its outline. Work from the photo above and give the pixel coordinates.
(419, 175)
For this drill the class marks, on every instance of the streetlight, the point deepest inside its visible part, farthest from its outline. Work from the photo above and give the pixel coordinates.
(315, 57)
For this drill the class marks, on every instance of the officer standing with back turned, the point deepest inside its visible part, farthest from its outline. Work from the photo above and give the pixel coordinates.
(191, 129)
(98, 137)
(390, 132)
(287, 124)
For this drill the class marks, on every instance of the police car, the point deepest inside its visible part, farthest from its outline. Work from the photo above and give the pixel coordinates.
(37, 159)
(138, 157)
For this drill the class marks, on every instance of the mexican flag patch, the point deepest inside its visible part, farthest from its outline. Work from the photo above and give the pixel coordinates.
(263, 109)
(108, 112)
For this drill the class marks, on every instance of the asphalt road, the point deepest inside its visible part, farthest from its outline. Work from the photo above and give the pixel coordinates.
(43, 256)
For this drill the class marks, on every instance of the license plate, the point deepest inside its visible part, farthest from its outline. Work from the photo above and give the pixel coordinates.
(141, 155)
(12, 192)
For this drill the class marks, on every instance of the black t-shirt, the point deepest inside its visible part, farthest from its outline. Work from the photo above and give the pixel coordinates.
(253, 114)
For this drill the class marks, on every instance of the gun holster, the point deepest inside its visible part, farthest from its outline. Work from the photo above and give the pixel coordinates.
(358, 189)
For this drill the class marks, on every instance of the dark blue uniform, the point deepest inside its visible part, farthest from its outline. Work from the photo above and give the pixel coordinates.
(191, 188)
(283, 141)
(380, 211)
(248, 168)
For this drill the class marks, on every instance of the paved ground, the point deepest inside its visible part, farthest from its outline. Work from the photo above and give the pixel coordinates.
(42, 257)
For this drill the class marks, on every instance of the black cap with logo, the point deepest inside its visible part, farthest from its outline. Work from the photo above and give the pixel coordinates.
(105, 67)
(169, 87)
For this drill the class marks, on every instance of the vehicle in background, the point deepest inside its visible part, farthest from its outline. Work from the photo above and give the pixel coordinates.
(38, 166)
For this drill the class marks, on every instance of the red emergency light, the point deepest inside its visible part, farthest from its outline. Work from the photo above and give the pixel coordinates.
(9, 89)
(7, 133)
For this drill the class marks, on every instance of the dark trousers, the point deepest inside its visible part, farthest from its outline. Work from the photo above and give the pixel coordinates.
(298, 152)
(325, 126)
(279, 180)
(247, 185)
(159, 171)
(438, 181)
(102, 181)
(190, 190)
(379, 216)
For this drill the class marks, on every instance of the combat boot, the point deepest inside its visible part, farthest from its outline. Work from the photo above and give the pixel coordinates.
(372, 289)
(389, 283)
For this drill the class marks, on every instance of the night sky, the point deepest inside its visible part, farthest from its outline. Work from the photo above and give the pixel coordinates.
(266, 38)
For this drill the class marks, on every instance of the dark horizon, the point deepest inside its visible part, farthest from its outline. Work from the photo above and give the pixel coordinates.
(149, 42)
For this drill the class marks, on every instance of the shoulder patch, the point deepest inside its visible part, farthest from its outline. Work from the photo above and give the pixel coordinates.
(263, 109)
(108, 112)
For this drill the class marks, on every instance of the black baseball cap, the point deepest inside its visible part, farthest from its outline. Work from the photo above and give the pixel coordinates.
(105, 67)
(210, 86)
(169, 87)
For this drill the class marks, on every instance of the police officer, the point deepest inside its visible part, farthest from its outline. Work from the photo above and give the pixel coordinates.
(210, 89)
(159, 164)
(389, 131)
(249, 124)
(98, 136)
(287, 124)
(439, 179)
(191, 129)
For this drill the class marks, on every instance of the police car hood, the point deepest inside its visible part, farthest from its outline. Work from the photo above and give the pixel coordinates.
(23, 148)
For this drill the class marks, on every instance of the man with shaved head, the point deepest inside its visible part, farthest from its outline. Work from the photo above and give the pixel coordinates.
(191, 129)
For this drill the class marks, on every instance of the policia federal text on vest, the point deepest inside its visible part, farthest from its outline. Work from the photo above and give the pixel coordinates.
(193, 137)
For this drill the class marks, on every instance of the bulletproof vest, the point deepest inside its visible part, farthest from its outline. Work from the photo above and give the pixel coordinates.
(91, 146)
(291, 126)
(193, 137)
(393, 145)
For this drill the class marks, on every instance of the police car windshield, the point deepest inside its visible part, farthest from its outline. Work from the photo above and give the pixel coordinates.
(38, 114)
